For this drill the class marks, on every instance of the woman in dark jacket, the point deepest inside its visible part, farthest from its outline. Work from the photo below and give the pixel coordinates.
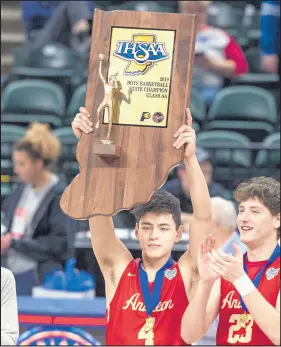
(39, 237)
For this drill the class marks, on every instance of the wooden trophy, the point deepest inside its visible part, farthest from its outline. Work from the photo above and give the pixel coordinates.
(136, 108)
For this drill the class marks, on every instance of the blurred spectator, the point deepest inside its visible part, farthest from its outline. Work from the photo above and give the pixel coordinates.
(179, 186)
(39, 236)
(66, 22)
(217, 54)
(224, 229)
(270, 35)
(9, 309)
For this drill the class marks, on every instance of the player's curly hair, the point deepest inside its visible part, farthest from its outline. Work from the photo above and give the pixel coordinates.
(40, 143)
(266, 189)
(161, 202)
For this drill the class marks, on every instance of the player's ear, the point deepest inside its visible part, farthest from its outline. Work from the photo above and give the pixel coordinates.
(137, 231)
(179, 233)
(276, 221)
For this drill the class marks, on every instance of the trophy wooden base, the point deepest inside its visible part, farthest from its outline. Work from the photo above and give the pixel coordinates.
(107, 150)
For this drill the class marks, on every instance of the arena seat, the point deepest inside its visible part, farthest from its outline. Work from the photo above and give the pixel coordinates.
(230, 165)
(255, 131)
(197, 106)
(66, 135)
(4, 81)
(67, 160)
(53, 62)
(253, 56)
(53, 56)
(9, 135)
(256, 76)
(11, 132)
(196, 127)
(249, 110)
(78, 99)
(223, 155)
(24, 120)
(270, 157)
(33, 97)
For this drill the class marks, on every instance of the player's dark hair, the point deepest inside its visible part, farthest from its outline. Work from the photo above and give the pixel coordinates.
(266, 189)
(162, 202)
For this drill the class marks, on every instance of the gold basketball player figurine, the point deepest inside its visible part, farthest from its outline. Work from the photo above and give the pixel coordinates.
(111, 94)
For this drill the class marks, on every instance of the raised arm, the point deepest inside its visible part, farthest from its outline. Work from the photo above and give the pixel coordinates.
(111, 254)
(100, 73)
(200, 225)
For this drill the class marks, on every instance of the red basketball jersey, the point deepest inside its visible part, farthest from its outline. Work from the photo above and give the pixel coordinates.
(127, 315)
(229, 330)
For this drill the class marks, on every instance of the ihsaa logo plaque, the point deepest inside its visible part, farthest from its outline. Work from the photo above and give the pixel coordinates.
(143, 58)
(142, 49)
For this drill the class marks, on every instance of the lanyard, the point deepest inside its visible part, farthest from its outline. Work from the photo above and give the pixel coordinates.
(151, 299)
(257, 279)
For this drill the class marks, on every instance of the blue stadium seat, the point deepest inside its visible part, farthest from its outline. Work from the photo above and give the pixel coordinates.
(33, 97)
(271, 156)
(246, 109)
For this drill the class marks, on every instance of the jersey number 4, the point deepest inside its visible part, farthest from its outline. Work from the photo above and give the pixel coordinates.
(234, 336)
(148, 336)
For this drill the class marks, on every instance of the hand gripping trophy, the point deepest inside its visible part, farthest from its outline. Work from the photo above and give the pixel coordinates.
(111, 90)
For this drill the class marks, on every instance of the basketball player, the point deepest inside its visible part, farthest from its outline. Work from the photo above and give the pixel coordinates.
(146, 297)
(243, 290)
